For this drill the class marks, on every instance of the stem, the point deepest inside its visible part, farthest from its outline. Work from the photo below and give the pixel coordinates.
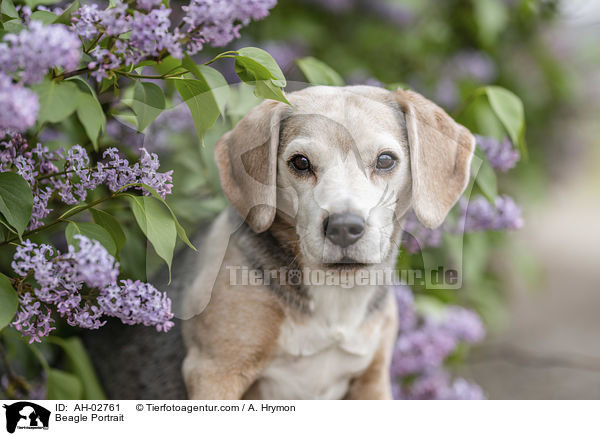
(94, 43)
(144, 76)
(226, 54)
(71, 73)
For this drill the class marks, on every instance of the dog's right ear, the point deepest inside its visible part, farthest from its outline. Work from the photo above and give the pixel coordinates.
(247, 161)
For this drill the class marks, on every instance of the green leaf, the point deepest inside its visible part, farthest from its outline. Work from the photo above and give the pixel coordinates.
(205, 97)
(16, 201)
(211, 79)
(266, 89)
(318, 72)
(257, 67)
(8, 8)
(33, 3)
(486, 178)
(509, 109)
(180, 230)
(491, 17)
(92, 117)
(44, 16)
(80, 364)
(111, 225)
(250, 56)
(91, 231)
(65, 17)
(58, 100)
(9, 301)
(169, 65)
(148, 102)
(63, 386)
(157, 224)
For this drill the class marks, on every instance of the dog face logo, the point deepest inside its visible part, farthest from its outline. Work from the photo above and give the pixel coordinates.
(26, 415)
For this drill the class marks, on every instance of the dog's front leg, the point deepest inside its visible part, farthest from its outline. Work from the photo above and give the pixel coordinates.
(374, 383)
(209, 379)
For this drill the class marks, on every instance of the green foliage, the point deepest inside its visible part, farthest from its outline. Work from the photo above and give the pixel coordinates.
(112, 227)
(92, 231)
(16, 201)
(8, 301)
(148, 102)
(157, 224)
(319, 73)
(509, 109)
(58, 100)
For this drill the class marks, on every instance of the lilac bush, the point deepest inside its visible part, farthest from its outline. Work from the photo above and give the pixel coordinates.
(66, 180)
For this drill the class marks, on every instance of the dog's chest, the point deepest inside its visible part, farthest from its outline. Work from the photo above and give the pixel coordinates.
(318, 356)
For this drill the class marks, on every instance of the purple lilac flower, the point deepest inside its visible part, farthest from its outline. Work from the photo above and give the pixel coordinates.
(407, 317)
(20, 106)
(65, 283)
(148, 4)
(30, 53)
(135, 302)
(502, 155)
(424, 342)
(37, 167)
(30, 164)
(437, 385)
(416, 236)
(217, 22)
(479, 214)
(473, 64)
(150, 35)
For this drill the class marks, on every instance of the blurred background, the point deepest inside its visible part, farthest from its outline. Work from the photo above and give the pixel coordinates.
(537, 288)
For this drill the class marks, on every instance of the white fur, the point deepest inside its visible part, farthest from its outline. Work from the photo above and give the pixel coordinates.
(317, 357)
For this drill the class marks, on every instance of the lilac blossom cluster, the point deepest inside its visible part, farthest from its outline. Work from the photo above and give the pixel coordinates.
(475, 215)
(151, 34)
(423, 344)
(502, 155)
(218, 22)
(29, 54)
(20, 106)
(38, 167)
(80, 286)
(24, 60)
(479, 214)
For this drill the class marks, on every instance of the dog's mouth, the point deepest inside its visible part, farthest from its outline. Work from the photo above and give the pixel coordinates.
(345, 263)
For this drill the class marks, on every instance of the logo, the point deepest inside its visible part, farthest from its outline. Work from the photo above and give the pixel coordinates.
(26, 415)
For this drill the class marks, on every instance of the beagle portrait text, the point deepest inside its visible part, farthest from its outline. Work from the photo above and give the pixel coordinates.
(318, 186)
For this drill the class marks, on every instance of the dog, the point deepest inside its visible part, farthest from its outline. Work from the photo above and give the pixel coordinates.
(320, 185)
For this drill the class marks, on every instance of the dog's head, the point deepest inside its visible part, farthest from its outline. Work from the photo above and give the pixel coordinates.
(342, 166)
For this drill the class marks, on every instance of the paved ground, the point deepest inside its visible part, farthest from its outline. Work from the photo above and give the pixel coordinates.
(550, 348)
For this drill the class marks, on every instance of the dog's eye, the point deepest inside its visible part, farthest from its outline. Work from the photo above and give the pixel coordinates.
(300, 163)
(386, 161)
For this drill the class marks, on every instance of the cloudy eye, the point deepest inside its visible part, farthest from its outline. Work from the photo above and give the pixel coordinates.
(386, 161)
(300, 163)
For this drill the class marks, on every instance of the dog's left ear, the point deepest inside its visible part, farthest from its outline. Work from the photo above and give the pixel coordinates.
(247, 161)
(440, 154)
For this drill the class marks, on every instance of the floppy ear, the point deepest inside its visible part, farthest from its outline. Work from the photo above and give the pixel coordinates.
(247, 161)
(440, 154)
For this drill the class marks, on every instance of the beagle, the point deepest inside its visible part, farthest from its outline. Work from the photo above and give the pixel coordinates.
(318, 188)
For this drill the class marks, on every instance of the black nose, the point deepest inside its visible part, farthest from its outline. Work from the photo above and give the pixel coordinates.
(344, 229)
